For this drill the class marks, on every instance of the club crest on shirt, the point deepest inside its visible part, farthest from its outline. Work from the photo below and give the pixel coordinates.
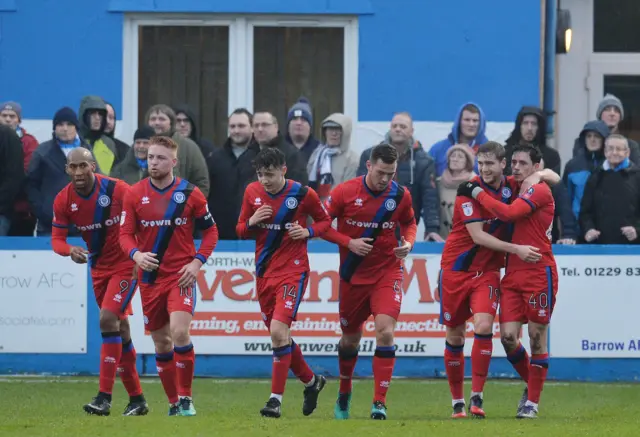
(529, 192)
(291, 202)
(104, 201)
(506, 192)
(390, 204)
(179, 197)
(467, 209)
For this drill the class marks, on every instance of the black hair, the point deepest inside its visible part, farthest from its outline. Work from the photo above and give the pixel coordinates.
(245, 111)
(534, 152)
(269, 157)
(385, 153)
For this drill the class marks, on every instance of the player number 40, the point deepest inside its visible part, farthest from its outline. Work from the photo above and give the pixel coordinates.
(541, 300)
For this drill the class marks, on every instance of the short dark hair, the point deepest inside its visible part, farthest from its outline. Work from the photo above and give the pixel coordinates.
(245, 111)
(383, 152)
(269, 157)
(534, 152)
(492, 147)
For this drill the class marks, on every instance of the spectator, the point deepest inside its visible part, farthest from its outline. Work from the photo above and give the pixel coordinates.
(468, 128)
(531, 128)
(266, 134)
(110, 130)
(300, 129)
(23, 222)
(191, 163)
(47, 174)
(611, 111)
(460, 162)
(231, 170)
(93, 123)
(11, 175)
(134, 166)
(610, 209)
(416, 171)
(186, 126)
(578, 169)
(333, 162)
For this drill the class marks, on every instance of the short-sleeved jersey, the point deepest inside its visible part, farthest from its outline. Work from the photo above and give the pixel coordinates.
(460, 253)
(97, 217)
(362, 213)
(276, 253)
(535, 228)
(163, 221)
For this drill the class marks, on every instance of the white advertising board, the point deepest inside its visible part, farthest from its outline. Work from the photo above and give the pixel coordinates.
(44, 303)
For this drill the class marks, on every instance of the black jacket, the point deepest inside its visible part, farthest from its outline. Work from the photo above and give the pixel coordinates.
(11, 169)
(206, 146)
(229, 178)
(611, 201)
(296, 168)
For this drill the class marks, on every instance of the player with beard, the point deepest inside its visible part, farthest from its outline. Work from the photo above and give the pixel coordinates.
(470, 276)
(528, 291)
(93, 204)
(157, 224)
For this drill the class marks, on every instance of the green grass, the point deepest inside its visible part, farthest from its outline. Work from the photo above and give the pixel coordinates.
(53, 407)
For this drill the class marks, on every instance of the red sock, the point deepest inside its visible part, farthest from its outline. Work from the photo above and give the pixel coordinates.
(110, 353)
(383, 362)
(280, 369)
(347, 359)
(519, 359)
(185, 363)
(454, 365)
(537, 375)
(480, 360)
(167, 373)
(128, 370)
(299, 366)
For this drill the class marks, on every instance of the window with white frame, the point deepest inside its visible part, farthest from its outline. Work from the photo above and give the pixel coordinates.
(216, 65)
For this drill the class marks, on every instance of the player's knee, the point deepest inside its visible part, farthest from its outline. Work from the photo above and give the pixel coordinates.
(509, 341)
(350, 341)
(180, 334)
(384, 335)
(455, 336)
(109, 322)
(483, 327)
(125, 330)
(279, 335)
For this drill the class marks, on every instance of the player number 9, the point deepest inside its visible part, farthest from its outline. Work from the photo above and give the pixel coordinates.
(124, 286)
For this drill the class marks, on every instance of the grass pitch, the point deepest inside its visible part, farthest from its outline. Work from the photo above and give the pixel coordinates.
(53, 407)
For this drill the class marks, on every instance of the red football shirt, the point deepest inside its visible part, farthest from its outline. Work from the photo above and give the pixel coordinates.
(276, 253)
(532, 214)
(97, 217)
(162, 222)
(460, 253)
(362, 213)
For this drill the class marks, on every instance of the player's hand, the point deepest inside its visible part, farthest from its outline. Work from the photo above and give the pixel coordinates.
(189, 273)
(79, 255)
(147, 261)
(297, 232)
(361, 246)
(629, 232)
(567, 241)
(528, 254)
(591, 234)
(468, 188)
(261, 214)
(433, 236)
(403, 250)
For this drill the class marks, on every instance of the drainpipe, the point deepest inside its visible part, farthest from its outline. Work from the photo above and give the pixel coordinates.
(551, 21)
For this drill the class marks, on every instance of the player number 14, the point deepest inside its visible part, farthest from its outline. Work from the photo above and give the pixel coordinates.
(289, 290)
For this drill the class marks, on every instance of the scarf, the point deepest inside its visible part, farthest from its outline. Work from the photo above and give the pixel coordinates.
(142, 163)
(450, 181)
(68, 147)
(320, 177)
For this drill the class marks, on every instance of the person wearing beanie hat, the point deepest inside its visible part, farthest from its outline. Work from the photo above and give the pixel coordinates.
(134, 166)
(300, 128)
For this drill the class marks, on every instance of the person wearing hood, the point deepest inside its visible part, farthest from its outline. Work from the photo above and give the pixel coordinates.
(611, 112)
(460, 162)
(610, 209)
(468, 128)
(300, 128)
(531, 128)
(267, 134)
(11, 175)
(134, 167)
(578, 169)
(333, 162)
(111, 129)
(416, 170)
(191, 163)
(93, 124)
(187, 127)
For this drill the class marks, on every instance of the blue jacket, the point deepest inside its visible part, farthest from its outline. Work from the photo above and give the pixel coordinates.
(578, 169)
(416, 171)
(439, 150)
